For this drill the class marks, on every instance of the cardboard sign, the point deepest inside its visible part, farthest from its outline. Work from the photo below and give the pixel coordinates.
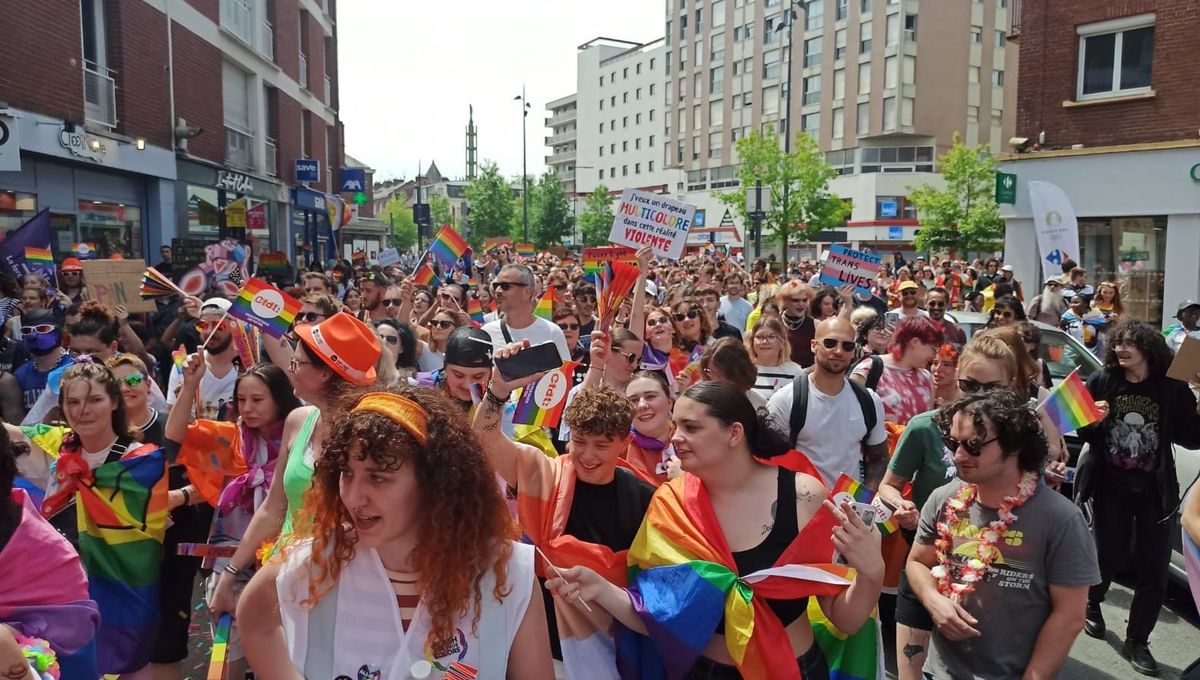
(843, 265)
(116, 282)
(650, 219)
(389, 257)
(593, 258)
(1186, 364)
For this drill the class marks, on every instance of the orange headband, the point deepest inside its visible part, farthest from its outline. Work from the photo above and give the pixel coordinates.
(400, 410)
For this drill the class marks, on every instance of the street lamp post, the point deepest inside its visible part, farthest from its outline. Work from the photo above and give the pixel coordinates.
(787, 114)
(525, 106)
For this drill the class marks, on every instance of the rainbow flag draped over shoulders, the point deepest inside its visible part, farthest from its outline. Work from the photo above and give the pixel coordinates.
(121, 508)
(448, 246)
(683, 579)
(1070, 405)
(265, 307)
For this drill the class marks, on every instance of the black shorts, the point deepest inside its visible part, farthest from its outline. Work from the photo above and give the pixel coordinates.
(909, 610)
(812, 666)
(176, 584)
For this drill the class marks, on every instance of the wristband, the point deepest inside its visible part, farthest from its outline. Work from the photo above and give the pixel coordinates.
(187, 497)
(230, 569)
(492, 397)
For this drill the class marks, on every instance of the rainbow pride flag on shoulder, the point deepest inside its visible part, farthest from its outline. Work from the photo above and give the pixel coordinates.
(1070, 405)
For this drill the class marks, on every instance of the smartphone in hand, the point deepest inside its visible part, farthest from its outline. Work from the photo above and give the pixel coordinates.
(531, 360)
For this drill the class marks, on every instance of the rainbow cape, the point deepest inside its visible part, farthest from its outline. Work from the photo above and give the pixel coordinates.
(448, 246)
(683, 580)
(1070, 405)
(265, 307)
(121, 508)
(542, 404)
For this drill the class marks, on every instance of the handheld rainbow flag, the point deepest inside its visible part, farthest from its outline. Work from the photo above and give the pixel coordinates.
(526, 249)
(858, 492)
(1070, 405)
(545, 305)
(179, 357)
(425, 276)
(475, 311)
(245, 343)
(613, 284)
(39, 256)
(448, 246)
(265, 307)
(543, 402)
(216, 662)
(272, 263)
(156, 284)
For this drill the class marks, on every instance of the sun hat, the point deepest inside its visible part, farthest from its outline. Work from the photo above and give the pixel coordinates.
(348, 346)
(907, 285)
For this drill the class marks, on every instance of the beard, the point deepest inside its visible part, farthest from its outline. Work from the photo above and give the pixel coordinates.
(1052, 298)
(219, 346)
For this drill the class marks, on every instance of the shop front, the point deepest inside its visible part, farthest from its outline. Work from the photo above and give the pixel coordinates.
(1138, 210)
(217, 203)
(112, 193)
(312, 215)
(362, 239)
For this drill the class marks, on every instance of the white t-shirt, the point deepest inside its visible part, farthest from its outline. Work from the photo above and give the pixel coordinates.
(771, 378)
(214, 392)
(917, 311)
(536, 333)
(736, 311)
(833, 429)
(428, 360)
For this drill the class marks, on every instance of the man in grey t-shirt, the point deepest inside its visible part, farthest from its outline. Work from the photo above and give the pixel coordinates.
(1028, 607)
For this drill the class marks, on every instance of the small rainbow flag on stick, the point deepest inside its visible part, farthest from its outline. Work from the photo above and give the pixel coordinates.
(425, 276)
(216, 662)
(861, 494)
(155, 284)
(1070, 405)
(265, 307)
(542, 403)
(475, 311)
(448, 246)
(545, 306)
(526, 249)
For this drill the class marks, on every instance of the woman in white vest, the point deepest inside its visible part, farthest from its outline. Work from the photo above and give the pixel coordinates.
(405, 568)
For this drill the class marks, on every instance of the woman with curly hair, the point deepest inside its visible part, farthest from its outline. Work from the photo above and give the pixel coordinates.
(405, 559)
(1130, 476)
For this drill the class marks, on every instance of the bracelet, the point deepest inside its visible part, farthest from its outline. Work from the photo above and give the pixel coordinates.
(230, 569)
(493, 398)
(187, 497)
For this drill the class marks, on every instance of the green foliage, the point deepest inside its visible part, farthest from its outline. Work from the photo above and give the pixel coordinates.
(404, 230)
(490, 198)
(962, 217)
(596, 221)
(440, 212)
(809, 209)
(549, 212)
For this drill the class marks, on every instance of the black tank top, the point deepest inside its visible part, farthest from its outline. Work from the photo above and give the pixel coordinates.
(765, 554)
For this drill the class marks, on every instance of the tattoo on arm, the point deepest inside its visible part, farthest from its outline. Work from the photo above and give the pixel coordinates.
(805, 496)
(490, 414)
(766, 528)
(876, 464)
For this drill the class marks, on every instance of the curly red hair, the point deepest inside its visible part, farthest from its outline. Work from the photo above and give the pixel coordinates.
(463, 527)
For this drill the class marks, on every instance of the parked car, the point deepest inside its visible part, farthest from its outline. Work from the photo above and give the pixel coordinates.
(1063, 354)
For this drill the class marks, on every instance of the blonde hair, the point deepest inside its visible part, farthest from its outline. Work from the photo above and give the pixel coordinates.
(774, 325)
(986, 346)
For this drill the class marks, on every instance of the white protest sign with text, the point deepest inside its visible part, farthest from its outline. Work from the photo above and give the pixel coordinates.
(645, 219)
(843, 265)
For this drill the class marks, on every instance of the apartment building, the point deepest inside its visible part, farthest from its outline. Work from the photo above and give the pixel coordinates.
(137, 123)
(561, 119)
(883, 86)
(1107, 112)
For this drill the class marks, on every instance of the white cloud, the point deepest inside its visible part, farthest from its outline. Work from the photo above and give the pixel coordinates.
(410, 68)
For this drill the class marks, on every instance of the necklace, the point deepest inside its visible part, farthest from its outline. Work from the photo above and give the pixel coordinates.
(791, 325)
(953, 580)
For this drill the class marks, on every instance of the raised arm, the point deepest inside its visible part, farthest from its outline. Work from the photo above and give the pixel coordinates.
(130, 342)
(501, 451)
(599, 352)
(181, 411)
(637, 316)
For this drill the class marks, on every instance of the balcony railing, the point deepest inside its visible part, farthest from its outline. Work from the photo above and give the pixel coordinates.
(237, 17)
(272, 158)
(99, 95)
(561, 138)
(239, 149)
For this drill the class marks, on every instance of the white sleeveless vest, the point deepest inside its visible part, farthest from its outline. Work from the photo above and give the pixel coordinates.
(355, 630)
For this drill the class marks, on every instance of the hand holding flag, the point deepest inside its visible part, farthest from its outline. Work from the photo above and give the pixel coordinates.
(1070, 406)
(265, 307)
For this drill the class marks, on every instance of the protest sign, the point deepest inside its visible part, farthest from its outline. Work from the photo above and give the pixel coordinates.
(843, 265)
(650, 219)
(389, 257)
(1186, 364)
(117, 282)
(593, 258)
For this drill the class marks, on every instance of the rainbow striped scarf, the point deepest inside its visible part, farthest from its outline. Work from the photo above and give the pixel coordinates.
(683, 580)
(121, 508)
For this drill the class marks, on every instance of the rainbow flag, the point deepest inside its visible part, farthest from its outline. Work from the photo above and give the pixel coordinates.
(858, 492)
(425, 276)
(542, 403)
(526, 249)
(216, 661)
(683, 580)
(475, 311)
(545, 305)
(273, 263)
(85, 251)
(121, 508)
(39, 255)
(245, 343)
(265, 307)
(179, 357)
(1070, 405)
(448, 246)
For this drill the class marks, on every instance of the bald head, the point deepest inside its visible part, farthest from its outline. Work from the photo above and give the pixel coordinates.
(834, 359)
(835, 327)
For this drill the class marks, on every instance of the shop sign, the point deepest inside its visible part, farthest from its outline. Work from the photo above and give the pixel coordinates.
(354, 180)
(235, 182)
(1006, 188)
(1194, 172)
(10, 146)
(895, 233)
(889, 208)
(83, 145)
(308, 170)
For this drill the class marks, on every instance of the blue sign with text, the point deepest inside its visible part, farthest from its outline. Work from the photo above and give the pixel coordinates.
(308, 170)
(895, 233)
(889, 208)
(354, 180)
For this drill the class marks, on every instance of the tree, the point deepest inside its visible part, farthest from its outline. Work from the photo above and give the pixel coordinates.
(595, 223)
(404, 230)
(809, 209)
(550, 219)
(440, 213)
(962, 217)
(490, 198)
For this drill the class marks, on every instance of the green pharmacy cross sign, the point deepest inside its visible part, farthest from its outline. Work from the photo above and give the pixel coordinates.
(1006, 188)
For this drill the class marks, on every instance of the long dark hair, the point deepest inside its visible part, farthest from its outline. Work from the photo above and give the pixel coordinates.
(1149, 341)
(730, 405)
(278, 384)
(407, 356)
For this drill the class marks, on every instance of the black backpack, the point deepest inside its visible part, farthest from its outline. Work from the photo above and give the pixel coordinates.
(863, 394)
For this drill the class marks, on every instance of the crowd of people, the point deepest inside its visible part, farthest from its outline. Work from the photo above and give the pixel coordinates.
(363, 503)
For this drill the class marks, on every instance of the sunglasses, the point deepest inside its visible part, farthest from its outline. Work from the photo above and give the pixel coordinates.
(691, 314)
(935, 305)
(505, 285)
(569, 326)
(391, 339)
(973, 447)
(41, 329)
(441, 323)
(658, 321)
(629, 356)
(968, 386)
(309, 317)
(134, 379)
(203, 326)
(585, 298)
(832, 343)
(392, 302)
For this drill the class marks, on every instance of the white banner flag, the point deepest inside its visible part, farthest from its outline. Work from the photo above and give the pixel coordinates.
(1054, 221)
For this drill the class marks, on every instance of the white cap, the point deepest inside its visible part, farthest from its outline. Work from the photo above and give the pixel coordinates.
(221, 304)
(1006, 268)
(652, 288)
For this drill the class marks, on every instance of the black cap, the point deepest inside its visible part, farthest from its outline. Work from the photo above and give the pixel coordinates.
(378, 278)
(1186, 304)
(469, 347)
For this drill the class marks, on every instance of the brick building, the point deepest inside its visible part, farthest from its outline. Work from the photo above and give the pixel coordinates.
(1106, 111)
(140, 122)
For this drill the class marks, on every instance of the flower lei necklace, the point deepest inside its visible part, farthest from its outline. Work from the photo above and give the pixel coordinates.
(956, 581)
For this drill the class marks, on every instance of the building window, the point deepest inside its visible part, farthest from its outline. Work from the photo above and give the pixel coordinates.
(1001, 4)
(972, 74)
(637, 67)
(997, 78)
(839, 84)
(814, 15)
(1000, 38)
(839, 45)
(651, 141)
(113, 227)
(651, 89)
(893, 29)
(864, 78)
(976, 35)
(601, 104)
(839, 123)
(812, 90)
(601, 81)
(602, 148)
(650, 166)
(612, 148)
(601, 173)
(637, 143)
(889, 113)
(812, 52)
(865, 7)
(1131, 251)
(637, 94)
(770, 64)
(811, 124)
(716, 80)
(841, 10)
(910, 27)
(637, 168)
(637, 119)
(864, 38)
(652, 61)
(890, 72)
(864, 119)
(612, 101)
(1115, 62)
(601, 127)
(651, 114)
(770, 35)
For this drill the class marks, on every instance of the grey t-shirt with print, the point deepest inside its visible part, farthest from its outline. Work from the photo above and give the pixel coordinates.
(1048, 544)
